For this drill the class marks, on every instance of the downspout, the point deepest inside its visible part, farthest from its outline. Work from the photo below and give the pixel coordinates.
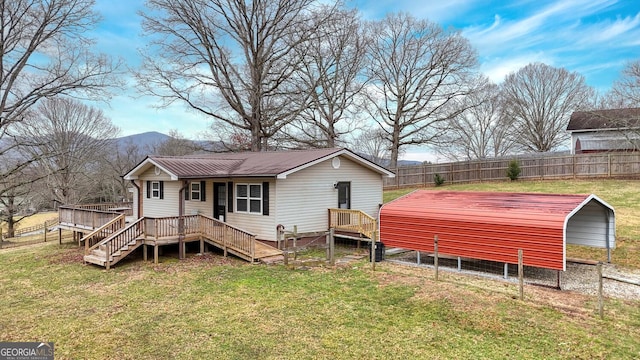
(181, 206)
(139, 192)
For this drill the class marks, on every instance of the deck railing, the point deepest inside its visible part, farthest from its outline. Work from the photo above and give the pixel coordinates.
(353, 221)
(103, 232)
(125, 207)
(157, 228)
(83, 217)
(228, 236)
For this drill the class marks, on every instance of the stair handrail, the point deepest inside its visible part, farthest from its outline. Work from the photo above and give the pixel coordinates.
(364, 223)
(233, 237)
(90, 242)
(116, 237)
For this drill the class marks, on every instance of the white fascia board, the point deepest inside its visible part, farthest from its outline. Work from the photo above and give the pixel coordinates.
(345, 152)
(135, 173)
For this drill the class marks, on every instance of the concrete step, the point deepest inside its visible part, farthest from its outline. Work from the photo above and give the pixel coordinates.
(272, 259)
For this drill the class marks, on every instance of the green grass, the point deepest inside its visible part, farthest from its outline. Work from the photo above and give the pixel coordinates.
(215, 308)
(623, 195)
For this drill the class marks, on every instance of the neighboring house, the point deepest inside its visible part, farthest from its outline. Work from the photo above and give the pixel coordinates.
(605, 130)
(258, 191)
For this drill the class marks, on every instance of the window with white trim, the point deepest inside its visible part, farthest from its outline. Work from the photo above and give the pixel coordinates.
(249, 198)
(155, 189)
(195, 191)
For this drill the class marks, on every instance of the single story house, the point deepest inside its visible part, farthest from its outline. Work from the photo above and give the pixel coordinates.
(259, 191)
(604, 130)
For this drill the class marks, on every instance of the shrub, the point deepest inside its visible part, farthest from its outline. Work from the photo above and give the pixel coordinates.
(513, 171)
(438, 180)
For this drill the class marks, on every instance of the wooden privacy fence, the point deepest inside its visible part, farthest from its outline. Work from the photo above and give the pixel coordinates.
(532, 168)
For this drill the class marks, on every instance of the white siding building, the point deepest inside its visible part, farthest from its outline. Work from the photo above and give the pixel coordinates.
(258, 191)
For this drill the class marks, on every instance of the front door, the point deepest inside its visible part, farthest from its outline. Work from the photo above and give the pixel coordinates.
(219, 200)
(344, 195)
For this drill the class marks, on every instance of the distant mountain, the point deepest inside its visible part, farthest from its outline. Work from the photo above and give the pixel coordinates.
(144, 140)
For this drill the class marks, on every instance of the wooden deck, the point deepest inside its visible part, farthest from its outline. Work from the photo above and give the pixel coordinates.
(111, 238)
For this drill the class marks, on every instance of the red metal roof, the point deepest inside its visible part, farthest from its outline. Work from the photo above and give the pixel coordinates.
(482, 225)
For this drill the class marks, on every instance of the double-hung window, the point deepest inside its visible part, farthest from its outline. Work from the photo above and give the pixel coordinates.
(155, 189)
(195, 191)
(249, 198)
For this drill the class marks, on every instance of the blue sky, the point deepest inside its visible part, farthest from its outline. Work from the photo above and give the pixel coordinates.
(593, 37)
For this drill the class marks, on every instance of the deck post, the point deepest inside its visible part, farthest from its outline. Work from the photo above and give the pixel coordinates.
(45, 231)
(418, 257)
(374, 238)
(106, 256)
(295, 242)
(60, 235)
(201, 245)
(459, 263)
(144, 251)
(155, 252)
(506, 271)
(332, 246)
(224, 240)
(327, 244)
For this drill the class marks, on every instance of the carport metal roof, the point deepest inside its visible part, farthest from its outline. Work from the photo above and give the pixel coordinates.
(495, 225)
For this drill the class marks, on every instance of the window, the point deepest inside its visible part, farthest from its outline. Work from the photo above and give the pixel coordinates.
(195, 191)
(155, 189)
(249, 198)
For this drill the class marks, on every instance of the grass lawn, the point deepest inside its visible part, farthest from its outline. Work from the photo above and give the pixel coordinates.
(623, 195)
(215, 308)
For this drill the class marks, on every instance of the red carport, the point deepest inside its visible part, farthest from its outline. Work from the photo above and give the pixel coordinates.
(495, 225)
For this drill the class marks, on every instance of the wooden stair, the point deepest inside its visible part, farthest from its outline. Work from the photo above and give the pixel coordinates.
(99, 256)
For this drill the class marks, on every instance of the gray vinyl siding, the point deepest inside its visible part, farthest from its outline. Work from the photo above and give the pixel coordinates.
(304, 197)
(592, 225)
(264, 226)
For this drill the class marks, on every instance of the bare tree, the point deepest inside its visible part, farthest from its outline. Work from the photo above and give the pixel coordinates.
(74, 137)
(417, 70)
(126, 156)
(328, 79)
(480, 131)
(175, 145)
(17, 192)
(540, 99)
(241, 52)
(626, 90)
(371, 143)
(43, 53)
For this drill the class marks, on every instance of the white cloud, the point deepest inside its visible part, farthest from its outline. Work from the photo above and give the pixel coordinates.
(496, 69)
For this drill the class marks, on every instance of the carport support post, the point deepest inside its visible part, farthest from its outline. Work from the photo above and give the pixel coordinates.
(435, 254)
(520, 274)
